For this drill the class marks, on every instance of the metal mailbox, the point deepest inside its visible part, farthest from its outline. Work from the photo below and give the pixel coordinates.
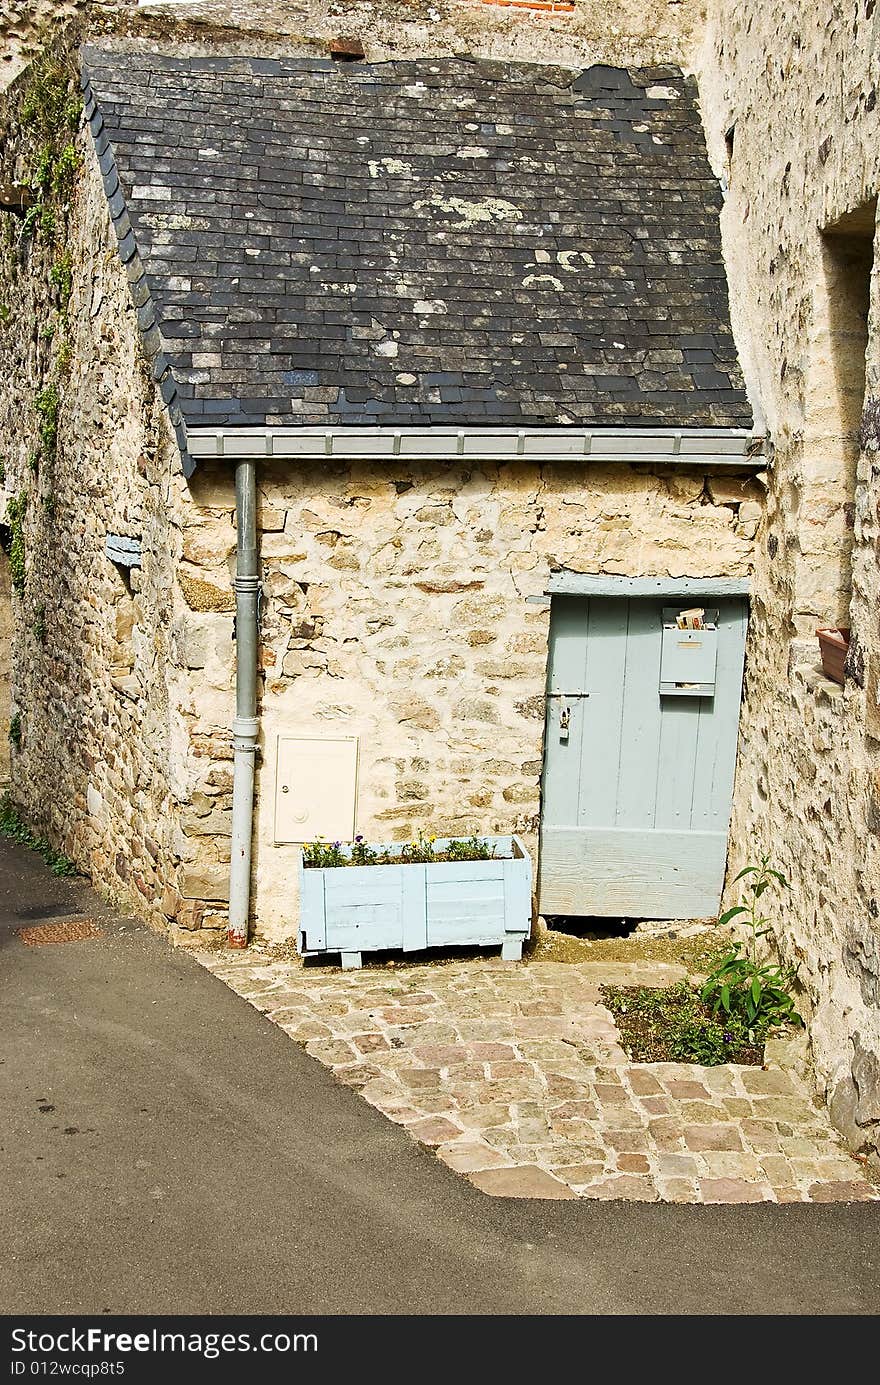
(688, 657)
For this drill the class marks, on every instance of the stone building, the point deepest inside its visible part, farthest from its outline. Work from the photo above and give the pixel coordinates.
(469, 322)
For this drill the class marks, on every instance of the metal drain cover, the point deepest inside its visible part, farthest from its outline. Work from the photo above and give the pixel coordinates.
(65, 931)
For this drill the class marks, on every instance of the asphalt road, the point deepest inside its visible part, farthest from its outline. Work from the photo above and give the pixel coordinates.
(166, 1149)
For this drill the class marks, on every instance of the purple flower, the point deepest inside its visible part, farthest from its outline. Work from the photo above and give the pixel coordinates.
(359, 838)
(337, 844)
(728, 1038)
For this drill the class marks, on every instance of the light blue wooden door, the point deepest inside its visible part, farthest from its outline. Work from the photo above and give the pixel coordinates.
(637, 786)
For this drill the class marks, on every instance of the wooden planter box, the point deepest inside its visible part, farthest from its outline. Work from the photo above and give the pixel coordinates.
(357, 909)
(833, 646)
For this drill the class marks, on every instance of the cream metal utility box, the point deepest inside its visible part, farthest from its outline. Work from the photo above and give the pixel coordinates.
(315, 788)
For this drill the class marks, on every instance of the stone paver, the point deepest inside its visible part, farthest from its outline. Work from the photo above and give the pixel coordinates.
(515, 1076)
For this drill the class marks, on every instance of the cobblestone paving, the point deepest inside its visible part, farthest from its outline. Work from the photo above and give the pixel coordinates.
(514, 1075)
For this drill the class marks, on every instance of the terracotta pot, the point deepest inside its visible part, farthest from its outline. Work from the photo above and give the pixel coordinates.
(833, 646)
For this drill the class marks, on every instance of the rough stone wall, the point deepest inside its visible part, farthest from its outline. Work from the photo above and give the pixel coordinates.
(26, 25)
(621, 32)
(396, 611)
(103, 762)
(799, 84)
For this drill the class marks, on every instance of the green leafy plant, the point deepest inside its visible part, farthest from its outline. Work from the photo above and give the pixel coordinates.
(742, 986)
(321, 853)
(16, 511)
(420, 850)
(64, 357)
(361, 853)
(39, 626)
(674, 1024)
(65, 167)
(13, 826)
(15, 730)
(40, 217)
(61, 275)
(50, 114)
(472, 849)
(47, 405)
(51, 105)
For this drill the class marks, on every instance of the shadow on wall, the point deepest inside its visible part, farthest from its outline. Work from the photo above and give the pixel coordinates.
(835, 401)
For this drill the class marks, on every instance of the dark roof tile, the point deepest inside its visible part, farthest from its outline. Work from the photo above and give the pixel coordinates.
(523, 240)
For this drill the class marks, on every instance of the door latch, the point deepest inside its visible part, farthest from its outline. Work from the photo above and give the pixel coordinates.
(565, 710)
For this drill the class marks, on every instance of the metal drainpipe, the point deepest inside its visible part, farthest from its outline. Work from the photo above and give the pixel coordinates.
(246, 724)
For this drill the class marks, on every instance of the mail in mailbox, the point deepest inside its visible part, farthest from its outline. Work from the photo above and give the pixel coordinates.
(688, 656)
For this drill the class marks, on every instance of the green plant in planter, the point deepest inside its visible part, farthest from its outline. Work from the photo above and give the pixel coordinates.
(361, 853)
(419, 850)
(756, 993)
(321, 853)
(470, 850)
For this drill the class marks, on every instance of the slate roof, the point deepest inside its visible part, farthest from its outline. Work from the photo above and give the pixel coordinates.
(447, 242)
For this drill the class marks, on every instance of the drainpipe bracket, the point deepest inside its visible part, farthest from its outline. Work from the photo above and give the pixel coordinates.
(244, 733)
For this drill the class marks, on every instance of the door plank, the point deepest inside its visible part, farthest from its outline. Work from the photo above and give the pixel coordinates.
(677, 761)
(640, 726)
(567, 672)
(632, 874)
(717, 736)
(602, 712)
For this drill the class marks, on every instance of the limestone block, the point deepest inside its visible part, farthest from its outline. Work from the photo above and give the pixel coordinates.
(748, 519)
(191, 638)
(214, 824)
(284, 546)
(95, 805)
(210, 542)
(733, 490)
(414, 710)
(866, 1076)
(207, 881)
(270, 518)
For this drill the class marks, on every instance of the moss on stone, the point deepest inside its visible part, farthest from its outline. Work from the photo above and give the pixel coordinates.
(201, 595)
